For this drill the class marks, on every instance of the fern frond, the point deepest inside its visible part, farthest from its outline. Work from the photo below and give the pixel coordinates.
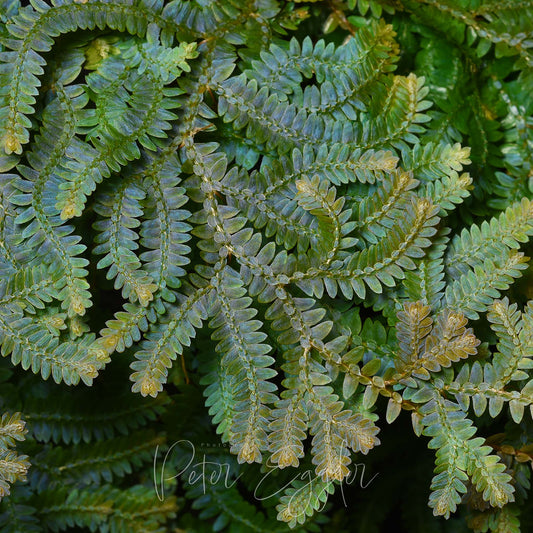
(433, 161)
(127, 327)
(60, 419)
(268, 196)
(512, 185)
(43, 234)
(333, 432)
(514, 356)
(460, 456)
(13, 467)
(245, 355)
(226, 507)
(379, 264)
(17, 517)
(32, 345)
(33, 30)
(29, 289)
(134, 509)
(92, 463)
(165, 341)
(482, 386)
(277, 213)
(333, 222)
(164, 230)
(378, 213)
(268, 199)
(220, 396)
(272, 121)
(449, 191)
(350, 67)
(145, 117)
(288, 428)
(335, 429)
(117, 239)
(426, 283)
(12, 428)
(427, 347)
(414, 325)
(397, 113)
(504, 25)
(491, 239)
(339, 164)
(301, 500)
(474, 291)
(515, 346)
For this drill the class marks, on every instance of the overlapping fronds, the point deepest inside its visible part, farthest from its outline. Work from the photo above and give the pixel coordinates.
(13, 467)
(268, 221)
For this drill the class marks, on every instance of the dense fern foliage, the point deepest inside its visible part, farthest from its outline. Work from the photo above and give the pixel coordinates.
(240, 239)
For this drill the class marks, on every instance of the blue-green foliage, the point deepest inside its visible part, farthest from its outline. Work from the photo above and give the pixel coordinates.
(250, 195)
